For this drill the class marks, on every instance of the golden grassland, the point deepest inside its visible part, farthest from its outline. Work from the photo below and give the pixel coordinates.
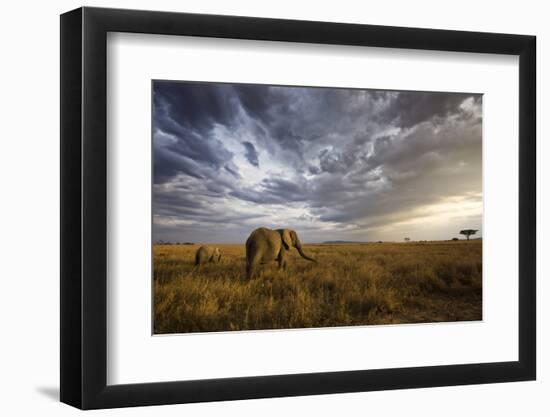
(353, 284)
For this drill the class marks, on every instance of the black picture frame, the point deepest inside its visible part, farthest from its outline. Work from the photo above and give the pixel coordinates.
(84, 207)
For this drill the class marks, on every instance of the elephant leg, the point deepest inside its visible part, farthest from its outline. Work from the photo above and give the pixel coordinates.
(281, 260)
(249, 269)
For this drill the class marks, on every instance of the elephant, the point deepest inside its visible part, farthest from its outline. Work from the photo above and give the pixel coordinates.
(207, 254)
(267, 245)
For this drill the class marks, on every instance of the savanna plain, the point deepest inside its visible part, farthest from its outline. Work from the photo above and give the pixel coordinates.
(352, 284)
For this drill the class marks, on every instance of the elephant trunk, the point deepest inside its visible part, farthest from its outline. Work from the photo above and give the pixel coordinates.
(303, 255)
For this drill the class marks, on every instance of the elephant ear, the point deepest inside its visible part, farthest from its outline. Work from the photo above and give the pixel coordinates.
(287, 239)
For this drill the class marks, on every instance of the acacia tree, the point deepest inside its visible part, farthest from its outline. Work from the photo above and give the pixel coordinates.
(407, 239)
(468, 233)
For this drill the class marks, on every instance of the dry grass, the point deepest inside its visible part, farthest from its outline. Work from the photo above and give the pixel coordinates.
(357, 284)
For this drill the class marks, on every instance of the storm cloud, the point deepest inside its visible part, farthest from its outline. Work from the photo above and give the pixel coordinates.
(251, 154)
(335, 164)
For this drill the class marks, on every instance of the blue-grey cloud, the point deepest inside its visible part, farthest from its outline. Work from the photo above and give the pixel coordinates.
(251, 154)
(334, 159)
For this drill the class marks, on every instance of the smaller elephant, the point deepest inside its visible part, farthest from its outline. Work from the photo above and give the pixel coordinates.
(207, 254)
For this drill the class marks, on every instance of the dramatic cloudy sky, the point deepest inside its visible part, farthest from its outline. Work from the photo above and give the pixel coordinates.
(333, 164)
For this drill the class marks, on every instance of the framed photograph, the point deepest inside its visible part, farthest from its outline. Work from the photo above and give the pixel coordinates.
(257, 208)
